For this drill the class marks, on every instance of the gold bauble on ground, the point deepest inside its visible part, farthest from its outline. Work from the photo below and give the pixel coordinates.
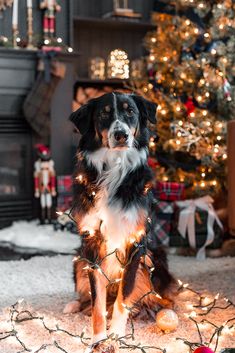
(167, 320)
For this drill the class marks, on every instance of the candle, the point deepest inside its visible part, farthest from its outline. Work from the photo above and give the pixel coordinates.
(29, 3)
(15, 14)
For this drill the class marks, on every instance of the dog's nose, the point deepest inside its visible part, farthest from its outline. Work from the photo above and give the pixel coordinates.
(120, 136)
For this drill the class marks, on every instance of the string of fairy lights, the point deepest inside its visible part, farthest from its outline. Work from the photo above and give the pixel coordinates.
(21, 43)
(204, 306)
(18, 315)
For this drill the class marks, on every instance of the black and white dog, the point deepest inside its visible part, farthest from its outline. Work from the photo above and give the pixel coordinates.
(114, 210)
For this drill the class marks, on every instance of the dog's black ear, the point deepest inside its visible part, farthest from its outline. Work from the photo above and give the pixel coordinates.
(147, 109)
(82, 117)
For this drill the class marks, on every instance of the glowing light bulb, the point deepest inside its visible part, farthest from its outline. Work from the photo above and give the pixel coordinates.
(214, 182)
(203, 175)
(213, 51)
(219, 138)
(165, 58)
(152, 57)
(59, 40)
(204, 112)
(79, 177)
(70, 49)
(193, 314)
(180, 123)
(178, 108)
(59, 213)
(86, 267)
(202, 184)
(192, 114)
(153, 40)
(199, 98)
(206, 35)
(46, 41)
(196, 30)
(224, 156)
(207, 94)
(178, 142)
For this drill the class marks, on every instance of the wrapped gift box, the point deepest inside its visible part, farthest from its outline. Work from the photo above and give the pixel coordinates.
(196, 225)
(64, 192)
(168, 191)
(165, 218)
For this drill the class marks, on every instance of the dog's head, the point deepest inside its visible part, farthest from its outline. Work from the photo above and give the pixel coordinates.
(115, 120)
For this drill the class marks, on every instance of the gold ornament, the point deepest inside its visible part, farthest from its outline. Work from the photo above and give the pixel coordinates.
(167, 320)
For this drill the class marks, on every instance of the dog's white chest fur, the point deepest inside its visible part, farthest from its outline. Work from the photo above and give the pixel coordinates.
(118, 224)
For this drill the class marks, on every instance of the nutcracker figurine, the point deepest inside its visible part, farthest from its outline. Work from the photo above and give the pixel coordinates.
(44, 181)
(50, 8)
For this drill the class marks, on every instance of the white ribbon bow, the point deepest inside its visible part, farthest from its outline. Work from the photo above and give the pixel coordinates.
(187, 222)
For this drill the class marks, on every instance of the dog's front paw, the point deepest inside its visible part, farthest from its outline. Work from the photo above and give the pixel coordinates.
(103, 347)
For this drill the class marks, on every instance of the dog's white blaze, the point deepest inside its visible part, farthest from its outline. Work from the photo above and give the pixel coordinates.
(116, 125)
(117, 223)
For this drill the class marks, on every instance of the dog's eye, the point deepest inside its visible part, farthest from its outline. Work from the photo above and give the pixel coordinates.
(104, 115)
(130, 112)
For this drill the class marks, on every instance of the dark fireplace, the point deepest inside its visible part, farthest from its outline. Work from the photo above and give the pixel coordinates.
(15, 170)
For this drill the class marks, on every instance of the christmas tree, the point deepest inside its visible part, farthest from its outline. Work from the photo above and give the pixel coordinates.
(191, 71)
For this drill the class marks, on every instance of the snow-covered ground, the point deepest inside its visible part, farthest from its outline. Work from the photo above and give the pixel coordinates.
(46, 285)
(34, 237)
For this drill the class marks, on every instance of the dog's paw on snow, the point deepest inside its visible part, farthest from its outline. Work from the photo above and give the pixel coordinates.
(72, 307)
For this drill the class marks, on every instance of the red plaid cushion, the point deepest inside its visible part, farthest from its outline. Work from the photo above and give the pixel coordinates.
(168, 191)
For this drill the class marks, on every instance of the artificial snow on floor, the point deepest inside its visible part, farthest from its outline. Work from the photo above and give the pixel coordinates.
(34, 237)
(46, 285)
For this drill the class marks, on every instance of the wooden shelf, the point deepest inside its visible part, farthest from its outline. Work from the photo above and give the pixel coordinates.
(107, 82)
(113, 23)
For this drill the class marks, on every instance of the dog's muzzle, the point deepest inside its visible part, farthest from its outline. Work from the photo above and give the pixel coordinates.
(121, 136)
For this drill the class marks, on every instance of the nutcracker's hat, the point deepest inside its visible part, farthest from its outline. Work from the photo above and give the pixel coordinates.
(43, 151)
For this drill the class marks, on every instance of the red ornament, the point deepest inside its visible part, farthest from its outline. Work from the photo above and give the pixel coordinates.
(203, 350)
(153, 163)
(189, 106)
